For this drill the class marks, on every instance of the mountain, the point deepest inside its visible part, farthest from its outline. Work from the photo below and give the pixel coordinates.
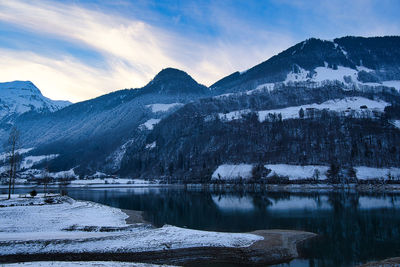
(19, 97)
(351, 60)
(93, 134)
(316, 103)
(172, 81)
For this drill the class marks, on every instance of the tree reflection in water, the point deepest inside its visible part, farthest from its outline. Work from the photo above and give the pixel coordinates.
(354, 227)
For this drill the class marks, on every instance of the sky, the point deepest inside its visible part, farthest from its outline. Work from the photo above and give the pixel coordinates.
(80, 49)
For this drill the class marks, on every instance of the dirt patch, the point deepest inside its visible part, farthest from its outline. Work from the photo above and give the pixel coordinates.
(135, 216)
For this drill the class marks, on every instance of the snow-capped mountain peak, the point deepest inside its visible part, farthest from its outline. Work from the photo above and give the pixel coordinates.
(18, 97)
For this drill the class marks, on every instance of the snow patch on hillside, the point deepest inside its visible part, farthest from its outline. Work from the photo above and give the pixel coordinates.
(64, 174)
(29, 161)
(151, 145)
(261, 88)
(231, 171)
(345, 75)
(366, 173)
(297, 172)
(395, 84)
(149, 125)
(163, 107)
(300, 75)
(21, 151)
(116, 157)
(362, 68)
(324, 73)
(339, 105)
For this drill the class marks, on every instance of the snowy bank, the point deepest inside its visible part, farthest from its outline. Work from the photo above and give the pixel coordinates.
(83, 230)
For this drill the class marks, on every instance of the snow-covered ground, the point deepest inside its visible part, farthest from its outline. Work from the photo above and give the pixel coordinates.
(373, 173)
(149, 125)
(29, 161)
(298, 172)
(232, 171)
(21, 151)
(64, 174)
(395, 84)
(163, 107)
(339, 105)
(75, 227)
(345, 75)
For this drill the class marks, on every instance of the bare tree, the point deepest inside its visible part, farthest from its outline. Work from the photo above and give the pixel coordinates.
(13, 158)
(45, 179)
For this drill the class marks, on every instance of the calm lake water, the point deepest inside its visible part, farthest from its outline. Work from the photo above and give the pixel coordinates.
(354, 227)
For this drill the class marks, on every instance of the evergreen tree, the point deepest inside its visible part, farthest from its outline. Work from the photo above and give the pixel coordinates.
(333, 173)
(301, 113)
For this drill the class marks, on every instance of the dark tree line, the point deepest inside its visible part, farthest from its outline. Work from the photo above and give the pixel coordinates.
(196, 150)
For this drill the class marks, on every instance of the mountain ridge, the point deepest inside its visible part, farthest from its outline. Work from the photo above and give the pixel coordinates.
(18, 97)
(313, 53)
(175, 120)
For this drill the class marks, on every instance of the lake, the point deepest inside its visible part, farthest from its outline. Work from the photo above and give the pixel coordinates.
(354, 227)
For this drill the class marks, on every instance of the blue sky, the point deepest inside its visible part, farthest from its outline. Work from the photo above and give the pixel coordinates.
(76, 49)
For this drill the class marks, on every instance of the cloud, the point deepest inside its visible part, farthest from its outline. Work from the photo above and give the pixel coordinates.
(64, 78)
(209, 40)
(133, 50)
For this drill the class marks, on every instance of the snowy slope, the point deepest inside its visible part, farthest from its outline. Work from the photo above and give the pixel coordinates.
(349, 60)
(347, 76)
(338, 105)
(22, 96)
(163, 107)
(232, 171)
(149, 124)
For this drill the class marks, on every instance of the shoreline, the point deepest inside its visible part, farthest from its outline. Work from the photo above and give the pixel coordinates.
(165, 245)
(278, 246)
(374, 188)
